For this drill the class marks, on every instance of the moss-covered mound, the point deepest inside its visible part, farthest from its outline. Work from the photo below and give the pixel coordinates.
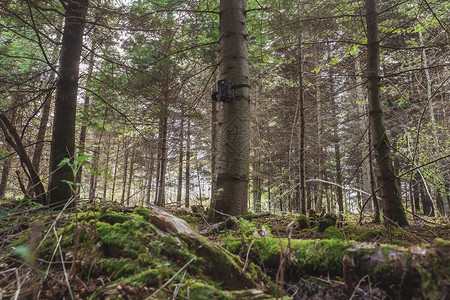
(142, 252)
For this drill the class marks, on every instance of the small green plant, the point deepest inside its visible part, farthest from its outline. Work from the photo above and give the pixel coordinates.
(75, 166)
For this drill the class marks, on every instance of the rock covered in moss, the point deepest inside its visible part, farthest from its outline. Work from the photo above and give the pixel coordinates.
(303, 222)
(328, 220)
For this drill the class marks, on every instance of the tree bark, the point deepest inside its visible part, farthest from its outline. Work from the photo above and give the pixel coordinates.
(162, 159)
(130, 178)
(319, 144)
(180, 162)
(125, 172)
(151, 163)
(63, 136)
(234, 127)
(389, 190)
(302, 149)
(187, 193)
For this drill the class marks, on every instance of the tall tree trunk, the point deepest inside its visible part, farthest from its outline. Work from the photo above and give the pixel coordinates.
(373, 186)
(427, 203)
(234, 128)
(125, 172)
(106, 180)
(93, 177)
(319, 144)
(365, 157)
(5, 176)
(63, 136)
(37, 153)
(162, 159)
(6, 164)
(337, 157)
(151, 163)
(257, 184)
(214, 120)
(302, 149)
(337, 142)
(415, 182)
(130, 178)
(187, 184)
(180, 162)
(441, 202)
(116, 166)
(389, 190)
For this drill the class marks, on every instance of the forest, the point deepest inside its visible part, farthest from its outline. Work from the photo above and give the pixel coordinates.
(224, 149)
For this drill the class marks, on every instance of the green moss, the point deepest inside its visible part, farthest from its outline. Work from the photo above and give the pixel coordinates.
(124, 239)
(88, 216)
(324, 224)
(113, 217)
(247, 217)
(333, 233)
(202, 291)
(303, 221)
(189, 219)
(320, 256)
(119, 268)
(144, 212)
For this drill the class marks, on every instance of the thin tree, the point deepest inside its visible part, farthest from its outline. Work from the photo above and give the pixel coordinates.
(389, 190)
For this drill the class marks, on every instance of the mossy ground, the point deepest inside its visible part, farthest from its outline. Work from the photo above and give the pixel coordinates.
(120, 253)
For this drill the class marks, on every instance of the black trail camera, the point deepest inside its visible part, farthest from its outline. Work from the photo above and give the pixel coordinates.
(225, 90)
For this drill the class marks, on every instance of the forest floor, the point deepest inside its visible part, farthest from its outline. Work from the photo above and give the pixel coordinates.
(144, 253)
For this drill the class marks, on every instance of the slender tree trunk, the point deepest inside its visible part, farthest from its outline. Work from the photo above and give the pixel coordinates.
(13, 139)
(389, 191)
(373, 186)
(187, 193)
(125, 172)
(234, 128)
(442, 203)
(106, 180)
(337, 142)
(180, 162)
(257, 185)
(6, 164)
(5, 176)
(365, 168)
(214, 120)
(151, 163)
(337, 157)
(116, 166)
(37, 153)
(63, 136)
(302, 149)
(162, 160)
(319, 145)
(93, 177)
(130, 178)
(427, 204)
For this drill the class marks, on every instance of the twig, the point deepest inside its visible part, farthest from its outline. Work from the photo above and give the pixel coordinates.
(246, 257)
(16, 294)
(425, 220)
(171, 278)
(175, 293)
(357, 287)
(64, 266)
